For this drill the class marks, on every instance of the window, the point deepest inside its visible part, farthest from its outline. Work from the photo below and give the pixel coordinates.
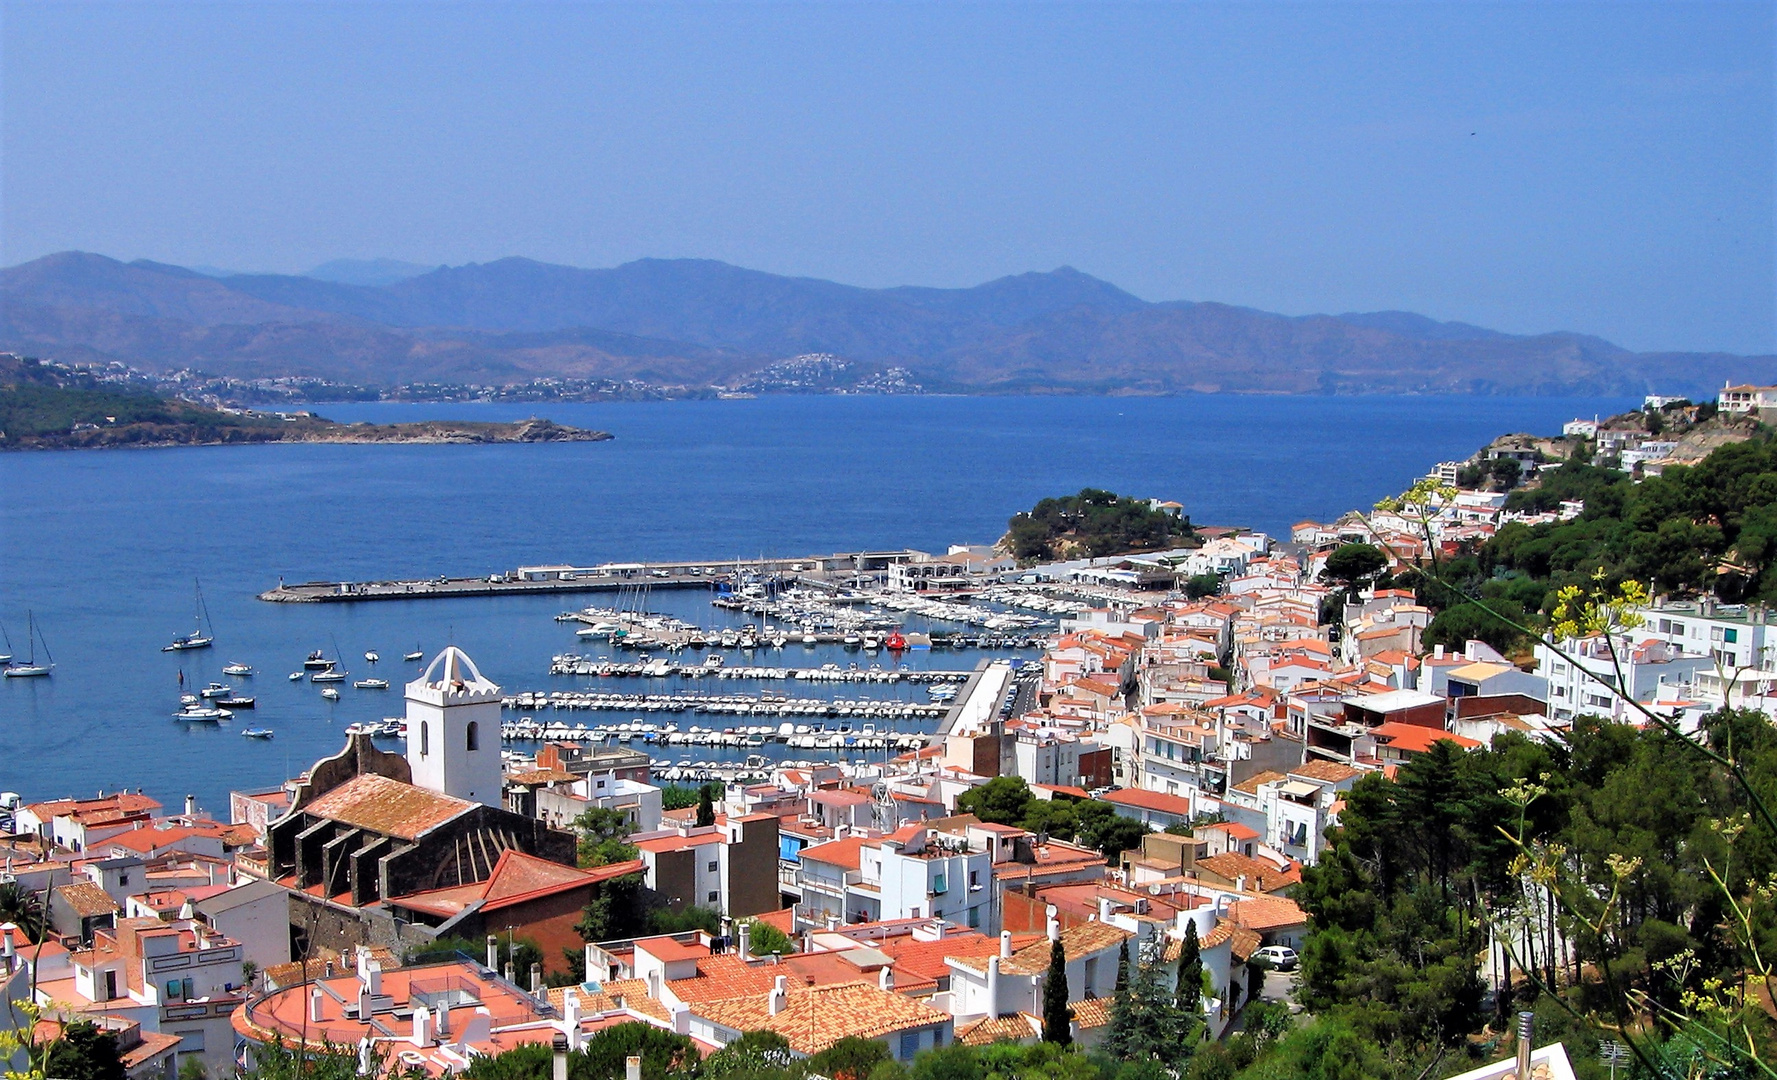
(713, 896)
(909, 1045)
(974, 878)
(110, 985)
(974, 918)
(425, 738)
(938, 888)
(712, 866)
(1730, 636)
(473, 737)
(123, 878)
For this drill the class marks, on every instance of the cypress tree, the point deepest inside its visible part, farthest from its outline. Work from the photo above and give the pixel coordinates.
(706, 808)
(1190, 975)
(1057, 1017)
(1120, 1030)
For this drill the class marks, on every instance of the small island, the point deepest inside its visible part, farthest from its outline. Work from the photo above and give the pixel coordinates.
(40, 411)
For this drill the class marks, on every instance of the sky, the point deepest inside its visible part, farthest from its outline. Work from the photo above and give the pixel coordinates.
(1605, 168)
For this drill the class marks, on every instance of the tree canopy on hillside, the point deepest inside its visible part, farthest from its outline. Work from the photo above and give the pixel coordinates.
(1095, 523)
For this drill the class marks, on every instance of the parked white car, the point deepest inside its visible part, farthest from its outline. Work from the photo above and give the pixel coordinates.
(1281, 957)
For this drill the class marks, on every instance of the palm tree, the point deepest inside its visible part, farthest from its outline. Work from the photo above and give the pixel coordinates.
(22, 908)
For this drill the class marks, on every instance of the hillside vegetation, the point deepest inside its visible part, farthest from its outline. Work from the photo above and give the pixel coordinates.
(1093, 523)
(1703, 530)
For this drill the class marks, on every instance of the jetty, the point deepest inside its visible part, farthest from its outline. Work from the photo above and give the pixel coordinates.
(605, 577)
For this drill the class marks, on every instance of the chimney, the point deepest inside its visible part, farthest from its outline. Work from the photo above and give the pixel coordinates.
(570, 1018)
(1526, 1029)
(779, 995)
(632, 1067)
(493, 953)
(1240, 883)
(187, 911)
(560, 1045)
(443, 1018)
(315, 1005)
(993, 986)
(191, 806)
(746, 940)
(1054, 924)
(886, 979)
(1437, 652)
(536, 980)
(370, 973)
(511, 972)
(422, 1026)
(1006, 943)
(681, 1018)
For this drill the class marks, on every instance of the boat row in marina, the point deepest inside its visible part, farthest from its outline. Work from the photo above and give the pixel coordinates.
(726, 704)
(656, 668)
(802, 736)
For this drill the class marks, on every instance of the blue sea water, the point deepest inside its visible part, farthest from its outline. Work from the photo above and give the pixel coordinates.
(104, 546)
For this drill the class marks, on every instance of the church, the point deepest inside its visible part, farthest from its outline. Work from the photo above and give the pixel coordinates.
(366, 827)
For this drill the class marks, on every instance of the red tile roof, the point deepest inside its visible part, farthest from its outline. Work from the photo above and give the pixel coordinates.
(836, 852)
(388, 806)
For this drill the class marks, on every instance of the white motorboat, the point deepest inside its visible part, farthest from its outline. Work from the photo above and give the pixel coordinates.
(371, 656)
(188, 699)
(853, 640)
(203, 714)
(256, 733)
(215, 689)
(241, 671)
(296, 676)
(330, 675)
(317, 661)
(330, 693)
(372, 684)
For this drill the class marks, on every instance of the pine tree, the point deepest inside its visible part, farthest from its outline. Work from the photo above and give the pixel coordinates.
(1057, 1017)
(706, 808)
(1119, 1031)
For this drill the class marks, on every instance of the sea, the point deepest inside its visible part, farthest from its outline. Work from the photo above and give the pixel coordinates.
(107, 549)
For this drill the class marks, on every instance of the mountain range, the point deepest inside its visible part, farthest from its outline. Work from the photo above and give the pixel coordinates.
(698, 323)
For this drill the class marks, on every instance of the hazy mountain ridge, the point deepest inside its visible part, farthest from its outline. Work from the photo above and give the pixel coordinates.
(698, 322)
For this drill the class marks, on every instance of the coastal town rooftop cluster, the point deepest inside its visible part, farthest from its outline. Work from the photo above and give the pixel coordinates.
(1227, 729)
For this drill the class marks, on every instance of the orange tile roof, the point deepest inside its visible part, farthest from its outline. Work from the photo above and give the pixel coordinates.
(1331, 772)
(388, 806)
(991, 1029)
(1263, 876)
(1266, 913)
(88, 900)
(722, 977)
(836, 852)
(1252, 783)
(815, 1017)
(1144, 799)
(517, 878)
(1092, 1012)
(1413, 739)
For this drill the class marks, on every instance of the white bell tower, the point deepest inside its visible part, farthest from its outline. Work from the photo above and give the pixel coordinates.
(453, 730)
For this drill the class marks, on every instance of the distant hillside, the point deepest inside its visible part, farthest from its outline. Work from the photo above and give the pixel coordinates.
(699, 322)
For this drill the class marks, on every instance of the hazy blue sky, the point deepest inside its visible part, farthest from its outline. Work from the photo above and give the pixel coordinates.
(1604, 167)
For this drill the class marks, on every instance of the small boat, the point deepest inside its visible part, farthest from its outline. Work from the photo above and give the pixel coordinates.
(329, 675)
(197, 639)
(232, 702)
(372, 684)
(201, 714)
(216, 689)
(417, 654)
(188, 699)
(296, 676)
(371, 656)
(809, 638)
(31, 668)
(317, 661)
(238, 670)
(330, 693)
(853, 640)
(256, 733)
(895, 642)
(871, 642)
